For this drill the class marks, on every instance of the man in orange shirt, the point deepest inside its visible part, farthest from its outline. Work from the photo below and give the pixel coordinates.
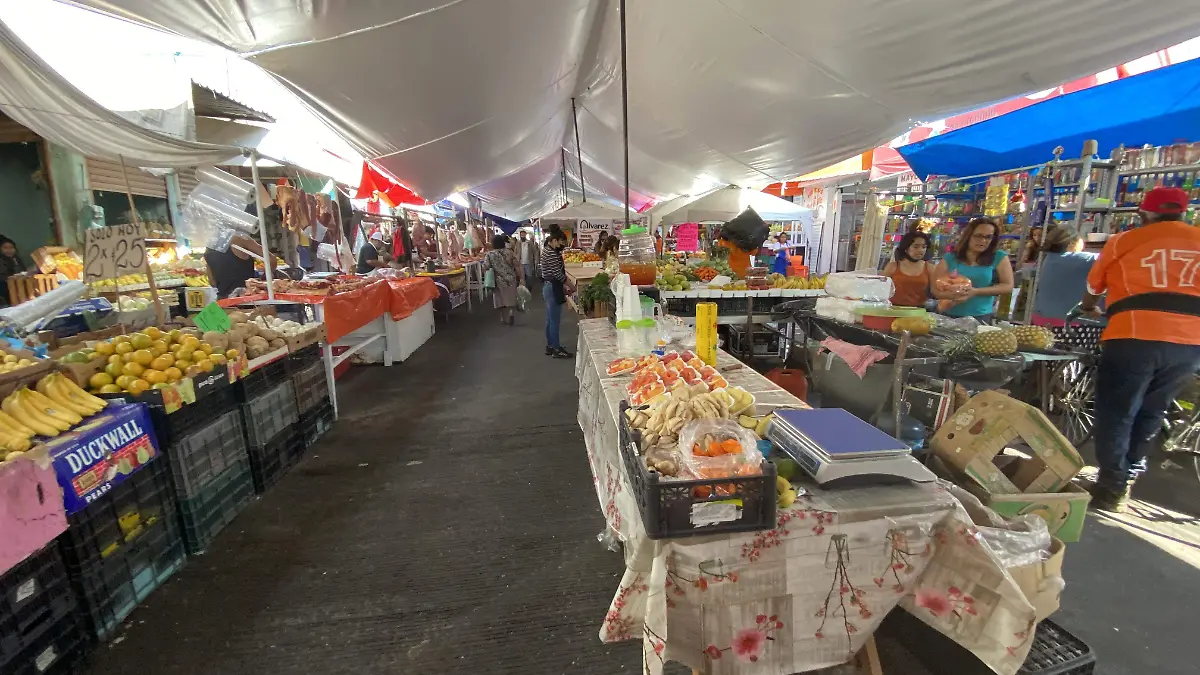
(1151, 345)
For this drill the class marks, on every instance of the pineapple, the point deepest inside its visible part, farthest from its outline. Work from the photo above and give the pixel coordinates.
(1033, 337)
(996, 342)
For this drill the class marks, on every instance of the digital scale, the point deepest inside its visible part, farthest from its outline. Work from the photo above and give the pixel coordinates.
(831, 443)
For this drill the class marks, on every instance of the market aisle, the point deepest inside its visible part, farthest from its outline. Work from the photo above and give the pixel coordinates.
(447, 524)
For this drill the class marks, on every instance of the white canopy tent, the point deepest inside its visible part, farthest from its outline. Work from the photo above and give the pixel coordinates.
(584, 210)
(742, 92)
(725, 203)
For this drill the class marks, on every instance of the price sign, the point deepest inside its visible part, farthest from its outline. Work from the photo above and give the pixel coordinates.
(212, 318)
(112, 251)
(995, 202)
(687, 237)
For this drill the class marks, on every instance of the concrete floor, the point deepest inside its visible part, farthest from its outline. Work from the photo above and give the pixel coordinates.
(447, 524)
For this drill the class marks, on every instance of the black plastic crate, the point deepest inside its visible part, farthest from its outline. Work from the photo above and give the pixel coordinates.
(261, 380)
(57, 651)
(682, 306)
(34, 596)
(269, 414)
(168, 428)
(1055, 651)
(269, 462)
(198, 458)
(122, 547)
(299, 360)
(315, 423)
(311, 387)
(666, 504)
(206, 514)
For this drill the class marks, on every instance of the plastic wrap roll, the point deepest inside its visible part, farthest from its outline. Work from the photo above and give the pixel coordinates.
(224, 215)
(26, 314)
(224, 181)
(219, 195)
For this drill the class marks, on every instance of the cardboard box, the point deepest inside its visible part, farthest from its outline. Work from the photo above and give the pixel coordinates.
(1042, 582)
(297, 342)
(1064, 512)
(101, 453)
(978, 431)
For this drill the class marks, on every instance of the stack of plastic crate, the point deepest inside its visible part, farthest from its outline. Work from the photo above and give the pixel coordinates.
(122, 547)
(312, 402)
(40, 631)
(213, 483)
(272, 439)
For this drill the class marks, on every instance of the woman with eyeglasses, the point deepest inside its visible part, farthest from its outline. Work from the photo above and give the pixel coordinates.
(977, 259)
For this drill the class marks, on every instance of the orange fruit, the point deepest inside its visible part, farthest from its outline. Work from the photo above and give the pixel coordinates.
(116, 358)
(114, 370)
(174, 336)
(206, 348)
(218, 359)
(231, 354)
(154, 332)
(162, 362)
(154, 376)
(110, 389)
(185, 352)
(138, 386)
(158, 347)
(134, 369)
(190, 341)
(100, 379)
(173, 374)
(141, 340)
(124, 381)
(205, 365)
(120, 338)
(182, 364)
(105, 348)
(143, 357)
(123, 347)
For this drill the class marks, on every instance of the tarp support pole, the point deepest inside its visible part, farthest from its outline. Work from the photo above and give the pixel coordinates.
(262, 225)
(578, 151)
(563, 152)
(624, 110)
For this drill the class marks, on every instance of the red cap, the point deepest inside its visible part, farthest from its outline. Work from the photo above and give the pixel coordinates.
(1165, 200)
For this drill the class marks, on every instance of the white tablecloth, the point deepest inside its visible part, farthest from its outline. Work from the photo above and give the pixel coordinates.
(807, 594)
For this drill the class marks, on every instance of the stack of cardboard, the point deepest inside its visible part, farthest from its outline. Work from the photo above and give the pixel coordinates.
(970, 443)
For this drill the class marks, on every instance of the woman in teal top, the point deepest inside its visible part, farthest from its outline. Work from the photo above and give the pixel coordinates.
(976, 257)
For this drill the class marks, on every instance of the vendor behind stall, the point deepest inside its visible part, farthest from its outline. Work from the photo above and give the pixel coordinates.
(370, 257)
(909, 272)
(229, 267)
(976, 260)
(426, 243)
(1062, 278)
(783, 257)
(10, 265)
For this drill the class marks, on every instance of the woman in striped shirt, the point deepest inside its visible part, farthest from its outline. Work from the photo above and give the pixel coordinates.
(555, 290)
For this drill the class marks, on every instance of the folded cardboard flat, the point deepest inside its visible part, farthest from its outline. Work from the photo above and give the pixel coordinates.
(978, 431)
(1042, 582)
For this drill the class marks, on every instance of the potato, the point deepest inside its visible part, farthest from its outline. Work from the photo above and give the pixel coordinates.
(250, 330)
(278, 343)
(256, 343)
(268, 334)
(238, 317)
(194, 332)
(219, 341)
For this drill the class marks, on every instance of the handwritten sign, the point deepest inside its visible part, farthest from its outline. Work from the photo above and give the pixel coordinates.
(212, 318)
(687, 237)
(113, 251)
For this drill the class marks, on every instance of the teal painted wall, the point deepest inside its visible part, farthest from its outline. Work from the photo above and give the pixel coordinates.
(25, 213)
(69, 171)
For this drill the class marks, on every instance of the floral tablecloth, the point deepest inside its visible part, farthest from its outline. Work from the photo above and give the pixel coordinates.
(808, 593)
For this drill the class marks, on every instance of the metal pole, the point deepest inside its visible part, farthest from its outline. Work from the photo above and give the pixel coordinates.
(575, 115)
(262, 225)
(564, 174)
(624, 110)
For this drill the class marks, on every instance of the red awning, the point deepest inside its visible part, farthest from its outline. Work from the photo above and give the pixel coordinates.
(375, 180)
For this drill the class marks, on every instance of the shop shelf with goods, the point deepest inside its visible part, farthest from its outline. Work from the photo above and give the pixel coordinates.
(122, 547)
(36, 600)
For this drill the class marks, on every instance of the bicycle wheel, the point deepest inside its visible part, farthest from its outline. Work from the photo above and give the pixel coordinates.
(1073, 401)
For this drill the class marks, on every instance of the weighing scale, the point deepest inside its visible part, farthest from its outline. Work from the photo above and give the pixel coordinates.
(831, 443)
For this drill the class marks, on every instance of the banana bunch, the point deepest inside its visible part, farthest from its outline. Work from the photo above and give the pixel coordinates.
(53, 406)
(660, 423)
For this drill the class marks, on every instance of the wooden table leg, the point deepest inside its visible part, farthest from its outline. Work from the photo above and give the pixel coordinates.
(867, 659)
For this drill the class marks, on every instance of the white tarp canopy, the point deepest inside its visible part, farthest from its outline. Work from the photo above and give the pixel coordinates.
(34, 94)
(725, 203)
(452, 95)
(588, 210)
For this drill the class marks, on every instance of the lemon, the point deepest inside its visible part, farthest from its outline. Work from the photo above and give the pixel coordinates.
(120, 339)
(138, 386)
(154, 332)
(182, 364)
(162, 362)
(173, 374)
(142, 341)
(105, 348)
(154, 376)
(100, 379)
(134, 369)
(206, 348)
(231, 354)
(114, 370)
(123, 347)
(110, 389)
(158, 347)
(218, 359)
(143, 357)
(190, 341)
(116, 358)
(11, 359)
(185, 352)
(124, 381)
(174, 335)
(205, 365)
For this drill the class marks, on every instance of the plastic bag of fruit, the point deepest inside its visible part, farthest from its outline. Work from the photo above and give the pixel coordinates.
(718, 448)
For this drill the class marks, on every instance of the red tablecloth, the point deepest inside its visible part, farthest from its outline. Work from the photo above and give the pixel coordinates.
(347, 312)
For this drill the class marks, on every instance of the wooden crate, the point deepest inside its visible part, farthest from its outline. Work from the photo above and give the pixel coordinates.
(24, 287)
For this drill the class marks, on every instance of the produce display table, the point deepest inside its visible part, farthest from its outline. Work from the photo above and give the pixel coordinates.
(389, 301)
(809, 593)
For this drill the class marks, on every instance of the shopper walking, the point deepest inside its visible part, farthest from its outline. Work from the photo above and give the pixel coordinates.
(555, 290)
(528, 253)
(501, 261)
(909, 272)
(1151, 345)
(976, 258)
